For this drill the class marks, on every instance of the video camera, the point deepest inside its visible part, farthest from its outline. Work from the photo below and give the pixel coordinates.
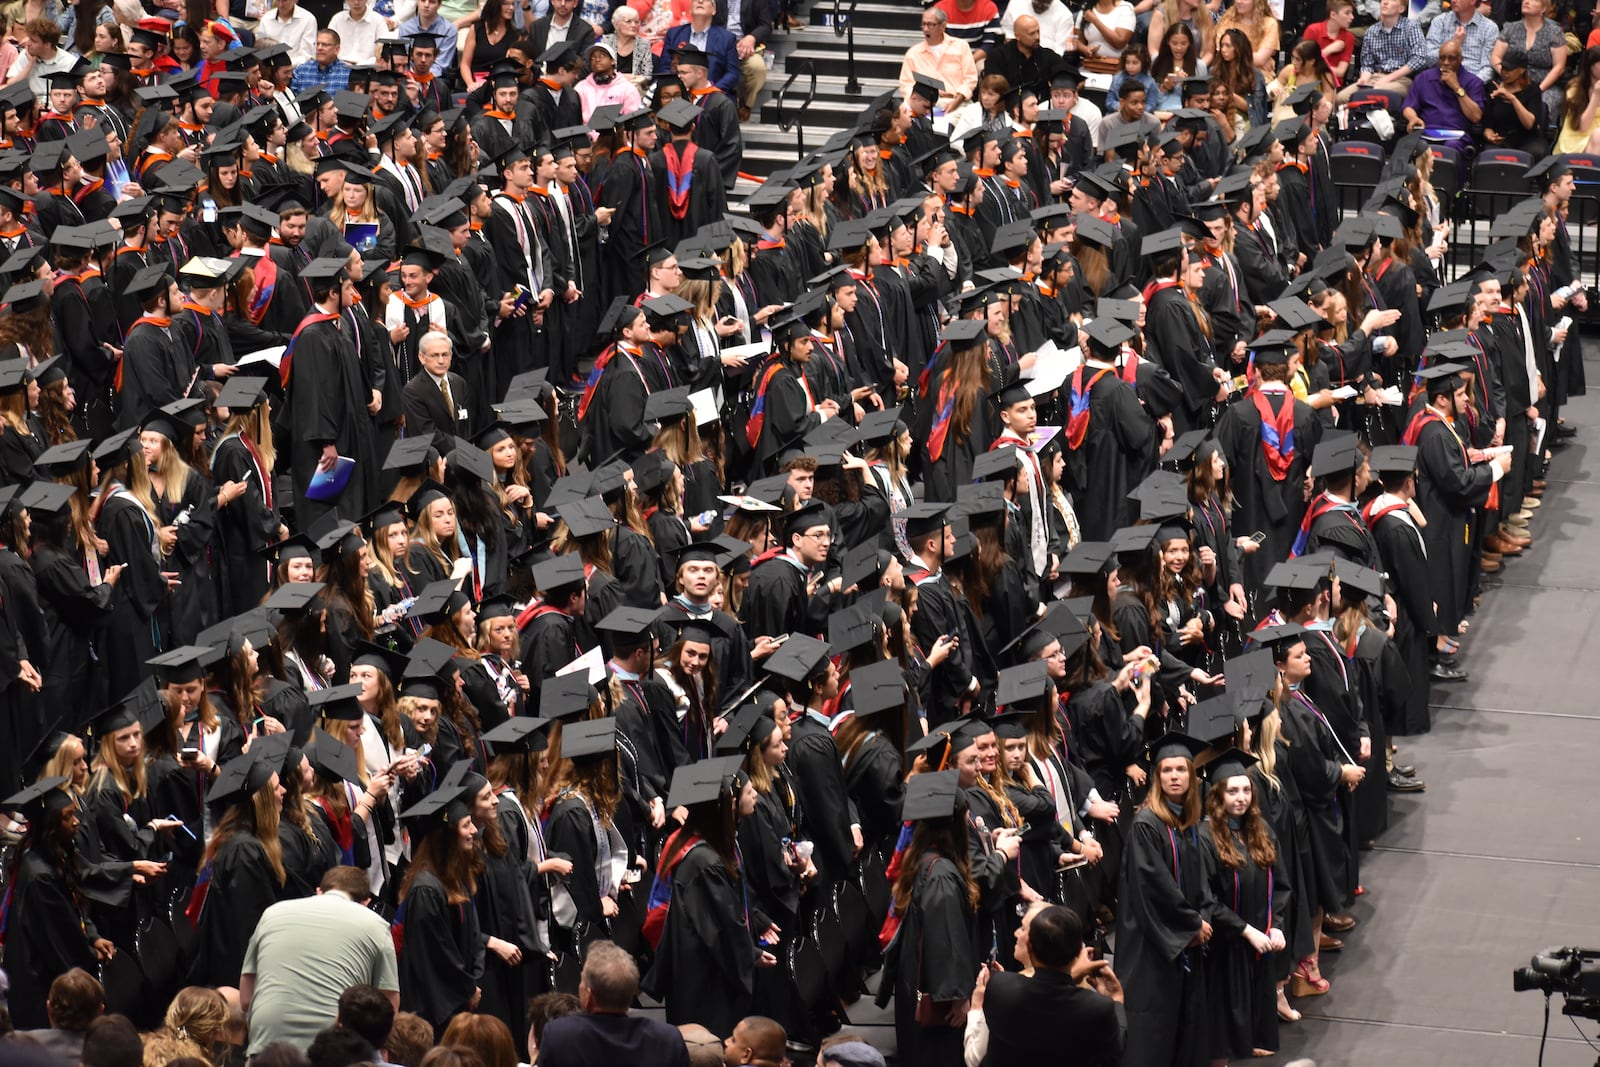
(1572, 972)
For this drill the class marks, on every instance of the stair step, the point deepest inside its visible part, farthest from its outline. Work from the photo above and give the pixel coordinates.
(869, 16)
(833, 61)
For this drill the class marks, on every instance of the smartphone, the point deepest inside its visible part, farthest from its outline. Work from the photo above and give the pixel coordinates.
(780, 639)
(425, 750)
(188, 755)
(522, 298)
(1258, 537)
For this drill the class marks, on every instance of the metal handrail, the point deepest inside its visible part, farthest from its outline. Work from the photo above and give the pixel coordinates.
(785, 123)
(844, 25)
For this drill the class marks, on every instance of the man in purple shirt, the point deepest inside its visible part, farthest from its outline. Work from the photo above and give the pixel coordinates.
(1446, 96)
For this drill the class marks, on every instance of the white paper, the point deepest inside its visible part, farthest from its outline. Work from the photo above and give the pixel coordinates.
(1051, 367)
(592, 662)
(1344, 392)
(707, 406)
(273, 356)
(1539, 427)
(460, 569)
(1391, 396)
(1498, 450)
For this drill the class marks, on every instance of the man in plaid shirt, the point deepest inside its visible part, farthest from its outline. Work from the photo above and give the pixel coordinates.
(1392, 52)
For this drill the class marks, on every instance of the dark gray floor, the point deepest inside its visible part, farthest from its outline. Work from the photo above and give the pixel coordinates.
(1499, 858)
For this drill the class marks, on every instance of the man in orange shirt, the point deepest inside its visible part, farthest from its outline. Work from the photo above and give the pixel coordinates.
(943, 58)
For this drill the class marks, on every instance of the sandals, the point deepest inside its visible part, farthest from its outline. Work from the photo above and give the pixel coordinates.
(1285, 1012)
(1302, 984)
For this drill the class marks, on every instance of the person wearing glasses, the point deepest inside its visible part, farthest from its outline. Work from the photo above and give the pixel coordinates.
(784, 586)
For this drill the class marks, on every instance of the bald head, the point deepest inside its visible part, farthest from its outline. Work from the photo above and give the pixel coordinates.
(755, 1039)
(1026, 29)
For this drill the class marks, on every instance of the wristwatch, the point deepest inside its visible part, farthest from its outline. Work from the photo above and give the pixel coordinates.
(1460, 91)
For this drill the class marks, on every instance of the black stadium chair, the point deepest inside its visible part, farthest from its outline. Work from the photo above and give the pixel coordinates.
(1446, 173)
(1358, 127)
(1498, 182)
(1355, 166)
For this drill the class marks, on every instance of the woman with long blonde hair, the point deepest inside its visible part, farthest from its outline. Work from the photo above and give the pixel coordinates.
(434, 547)
(19, 445)
(187, 503)
(358, 205)
(243, 873)
(124, 516)
(1279, 800)
(700, 346)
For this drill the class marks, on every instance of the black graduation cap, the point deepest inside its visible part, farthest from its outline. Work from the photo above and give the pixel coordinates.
(704, 782)
(924, 518)
(387, 660)
(63, 459)
(798, 659)
(35, 801)
(594, 737)
(241, 393)
(293, 597)
(1281, 635)
(1393, 459)
(407, 453)
(1214, 719)
(932, 795)
(628, 627)
(1341, 454)
(1548, 171)
(337, 702)
(1230, 764)
(1133, 543)
(185, 664)
(680, 115)
(331, 757)
(960, 332)
(1362, 579)
(1443, 378)
(851, 626)
(441, 809)
(1174, 745)
(663, 311)
(1295, 314)
(586, 517)
(113, 450)
(240, 779)
(877, 687)
(1250, 679)
(438, 601)
(1027, 681)
(520, 733)
(997, 461)
(748, 728)
(1304, 97)
(558, 573)
(175, 177)
(562, 696)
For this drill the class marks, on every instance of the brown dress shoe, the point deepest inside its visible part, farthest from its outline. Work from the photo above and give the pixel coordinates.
(1490, 566)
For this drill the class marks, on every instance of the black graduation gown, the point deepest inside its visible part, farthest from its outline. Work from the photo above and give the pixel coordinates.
(1174, 340)
(1401, 546)
(75, 614)
(1284, 812)
(569, 832)
(824, 799)
(1244, 998)
(938, 614)
(505, 910)
(705, 965)
(47, 935)
(245, 526)
(306, 858)
(156, 370)
(630, 189)
(1379, 673)
(327, 401)
(1116, 454)
(1263, 504)
(139, 594)
(717, 132)
(934, 953)
(1108, 738)
(776, 601)
(1161, 901)
(788, 413)
(1315, 762)
(1448, 491)
(1294, 193)
(195, 604)
(441, 957)
(775, 273)
(242, 886)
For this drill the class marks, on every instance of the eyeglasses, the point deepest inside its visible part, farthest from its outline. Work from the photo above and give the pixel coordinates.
(819, 535)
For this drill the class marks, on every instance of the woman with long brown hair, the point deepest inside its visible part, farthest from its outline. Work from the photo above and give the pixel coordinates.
(243, 873)
(1208, 483)
(434, 547)
(952, 426)
(51, 402)
(713, 939)
(931, 965)
(1248, 881)
(187, 502)
(124, 515)
(1161, 911)
(351, 614)
(582, 825)
(246, 455)
(19, 445)
(442, 956)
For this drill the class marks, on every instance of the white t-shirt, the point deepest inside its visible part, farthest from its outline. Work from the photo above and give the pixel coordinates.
(1055, 25)
(358, 40)
(1121, 17)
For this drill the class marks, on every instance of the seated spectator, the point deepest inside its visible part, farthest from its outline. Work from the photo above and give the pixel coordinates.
(604, 1032)
(1546, 44)
(715, 41)
(1334, 39)
(1134, 66)
(1056, 22)
(1103, 32)
(337, 1047)
(943, 58)
(367, 1011)
(756, 1039)
(1130, 111)
(325, 71)
(1474, 31)
(1580, 129)
(1252, 18)
(750, 22)
(1514, 115)
(1446, 96)
(410, 1038)
(1024, 61)
(977, 22)
(1306, 64)
(542, 1009)
(359, 28)
(75, 1001)
(1179, 59)
(111, 1041)
(485, 1035)
(602, 85)
(1392, 52)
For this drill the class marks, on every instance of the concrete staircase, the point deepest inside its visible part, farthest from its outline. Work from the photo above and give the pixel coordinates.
(807, 98)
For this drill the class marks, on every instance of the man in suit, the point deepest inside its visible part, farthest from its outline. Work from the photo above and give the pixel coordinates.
(750, 22)
(604, 1032)
(715, 41)
(563, 23)
(438, 401)
(1027, 1016)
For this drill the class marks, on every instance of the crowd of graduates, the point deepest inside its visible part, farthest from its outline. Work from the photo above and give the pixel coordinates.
(798, 595)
